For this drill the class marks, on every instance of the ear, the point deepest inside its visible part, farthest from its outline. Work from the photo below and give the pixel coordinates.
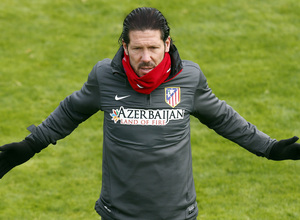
(167, 44)
(125, 47)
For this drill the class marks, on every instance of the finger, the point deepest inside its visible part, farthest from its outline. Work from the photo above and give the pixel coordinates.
(291, 140)
(4, 168)
(2, 148)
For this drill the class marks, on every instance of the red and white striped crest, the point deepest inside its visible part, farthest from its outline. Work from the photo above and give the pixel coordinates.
(172, 96)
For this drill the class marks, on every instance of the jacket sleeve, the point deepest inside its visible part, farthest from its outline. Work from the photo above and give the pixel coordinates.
(72, 111)
(224, 120)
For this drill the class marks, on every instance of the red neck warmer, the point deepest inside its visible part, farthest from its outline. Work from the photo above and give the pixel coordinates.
(147, 83)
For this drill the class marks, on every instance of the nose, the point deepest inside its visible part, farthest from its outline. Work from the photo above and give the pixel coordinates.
(146, 57)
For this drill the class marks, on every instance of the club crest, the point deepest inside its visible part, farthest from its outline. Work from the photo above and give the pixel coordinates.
(172, 96)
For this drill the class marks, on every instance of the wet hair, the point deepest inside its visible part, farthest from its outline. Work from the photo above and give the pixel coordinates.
(145, 18)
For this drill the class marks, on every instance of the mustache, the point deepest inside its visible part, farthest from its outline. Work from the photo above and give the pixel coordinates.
(146, 64)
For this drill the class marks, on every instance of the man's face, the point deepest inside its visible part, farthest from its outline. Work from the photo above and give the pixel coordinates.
(146, 50)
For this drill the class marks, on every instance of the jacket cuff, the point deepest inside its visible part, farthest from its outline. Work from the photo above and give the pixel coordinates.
(35, 143)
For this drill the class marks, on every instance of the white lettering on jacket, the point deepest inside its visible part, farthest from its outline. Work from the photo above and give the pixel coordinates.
(160, 117)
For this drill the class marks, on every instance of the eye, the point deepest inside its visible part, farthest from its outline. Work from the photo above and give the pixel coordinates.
(136, 48)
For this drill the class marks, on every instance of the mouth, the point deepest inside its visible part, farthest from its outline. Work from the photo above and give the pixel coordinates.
(143, 70)
(146, 69)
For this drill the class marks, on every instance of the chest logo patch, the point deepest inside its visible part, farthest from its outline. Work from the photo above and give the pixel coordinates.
(172, 96)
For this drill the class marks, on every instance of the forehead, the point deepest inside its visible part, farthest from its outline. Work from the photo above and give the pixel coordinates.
(145, 37)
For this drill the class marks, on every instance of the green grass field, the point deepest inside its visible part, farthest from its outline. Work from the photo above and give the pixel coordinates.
(249, 52)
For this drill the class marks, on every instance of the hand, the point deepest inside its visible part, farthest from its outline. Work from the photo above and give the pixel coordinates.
(285, 150)
(14, 154)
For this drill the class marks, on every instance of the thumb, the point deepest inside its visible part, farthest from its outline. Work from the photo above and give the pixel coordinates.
(4, 147)
(289, 141)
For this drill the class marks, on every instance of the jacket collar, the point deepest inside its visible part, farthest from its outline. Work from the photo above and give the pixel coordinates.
(176, 64)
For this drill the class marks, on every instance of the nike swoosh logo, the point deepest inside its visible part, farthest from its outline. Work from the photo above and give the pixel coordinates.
(121, 97)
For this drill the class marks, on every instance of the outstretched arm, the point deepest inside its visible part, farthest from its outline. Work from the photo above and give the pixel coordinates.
(224, 120)
(72, 111)
(217, 115)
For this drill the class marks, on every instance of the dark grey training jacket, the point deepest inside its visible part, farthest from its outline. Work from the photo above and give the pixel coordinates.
(147, 162)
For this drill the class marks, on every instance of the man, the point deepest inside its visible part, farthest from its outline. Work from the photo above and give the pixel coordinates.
(147, 94)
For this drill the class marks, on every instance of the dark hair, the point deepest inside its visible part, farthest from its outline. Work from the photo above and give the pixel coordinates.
(144, 18)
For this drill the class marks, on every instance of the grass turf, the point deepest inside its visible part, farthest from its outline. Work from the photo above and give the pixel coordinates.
(249, 52)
